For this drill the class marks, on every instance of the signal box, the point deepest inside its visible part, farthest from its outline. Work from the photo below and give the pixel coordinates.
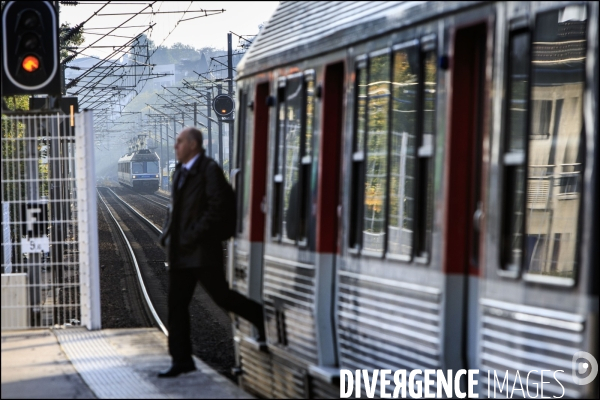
(30, 48)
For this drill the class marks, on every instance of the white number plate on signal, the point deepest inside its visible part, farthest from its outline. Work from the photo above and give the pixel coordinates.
(35, 245)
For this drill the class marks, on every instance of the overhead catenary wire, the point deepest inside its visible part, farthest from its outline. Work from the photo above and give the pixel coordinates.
(109, 84)
(92, 82)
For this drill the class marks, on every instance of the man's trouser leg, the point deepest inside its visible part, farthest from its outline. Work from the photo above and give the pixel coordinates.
(213, 281)
(181, 289)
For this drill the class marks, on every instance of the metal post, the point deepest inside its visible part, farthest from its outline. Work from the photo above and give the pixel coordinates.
(230, 89)
(174, 136)
(182, 120)
(87, 220)
(168, 161)
(219, 90)
(208, 112)
(161, 157)
(31, 165)
(61, 273)
(195, 114)
(32, 194)
(61, 213)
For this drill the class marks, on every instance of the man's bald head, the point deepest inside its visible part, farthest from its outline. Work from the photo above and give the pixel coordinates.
(187, 144)
(195, 135)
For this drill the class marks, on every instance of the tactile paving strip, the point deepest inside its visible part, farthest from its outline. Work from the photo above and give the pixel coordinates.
(102, 369)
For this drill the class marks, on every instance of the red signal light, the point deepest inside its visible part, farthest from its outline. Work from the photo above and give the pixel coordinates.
(223, 105)
(30, 48)
(30, 63)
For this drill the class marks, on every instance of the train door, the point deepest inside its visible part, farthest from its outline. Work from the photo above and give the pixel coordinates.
(249, 178)
(328, 204)
(465, 178)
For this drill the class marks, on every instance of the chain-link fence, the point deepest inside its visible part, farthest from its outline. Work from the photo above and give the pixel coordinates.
(49, 223)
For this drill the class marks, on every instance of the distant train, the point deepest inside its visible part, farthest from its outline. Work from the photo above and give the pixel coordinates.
(139, 170)
(418, 189)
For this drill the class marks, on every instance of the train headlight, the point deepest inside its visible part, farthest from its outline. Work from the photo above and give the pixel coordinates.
(134, 177)
(156, 176)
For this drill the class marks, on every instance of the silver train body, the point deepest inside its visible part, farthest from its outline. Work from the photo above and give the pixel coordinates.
(418, 189)
(140, 171)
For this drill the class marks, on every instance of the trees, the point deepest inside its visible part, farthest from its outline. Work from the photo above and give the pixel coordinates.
(70, 38)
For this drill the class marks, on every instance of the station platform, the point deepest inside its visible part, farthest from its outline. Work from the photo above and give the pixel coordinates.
(113, 363)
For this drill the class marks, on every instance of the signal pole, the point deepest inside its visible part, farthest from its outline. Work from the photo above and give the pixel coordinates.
(195, 114)
(209, 122)
(230, 89)
(168, 157)
(161, 156)
(174, 130)
(219, 90)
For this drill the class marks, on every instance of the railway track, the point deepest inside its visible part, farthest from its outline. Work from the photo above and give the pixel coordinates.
(151, 222)
(158, 200)
(138, 301)
(151, 207)
(167, 198)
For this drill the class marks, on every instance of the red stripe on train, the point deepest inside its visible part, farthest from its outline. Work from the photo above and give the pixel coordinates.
(328, 196)
(258, 176)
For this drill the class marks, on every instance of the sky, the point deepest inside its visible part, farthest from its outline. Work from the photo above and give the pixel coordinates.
(241, 18)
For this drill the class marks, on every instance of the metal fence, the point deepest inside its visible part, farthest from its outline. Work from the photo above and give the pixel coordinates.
(50, 273)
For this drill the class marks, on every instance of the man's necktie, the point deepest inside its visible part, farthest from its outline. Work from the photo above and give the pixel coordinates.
(183, 172)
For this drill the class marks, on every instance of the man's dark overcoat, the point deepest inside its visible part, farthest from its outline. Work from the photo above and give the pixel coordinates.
(190, 230)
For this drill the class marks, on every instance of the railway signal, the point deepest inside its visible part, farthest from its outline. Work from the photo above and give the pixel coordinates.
(30, 54)
(223, 105)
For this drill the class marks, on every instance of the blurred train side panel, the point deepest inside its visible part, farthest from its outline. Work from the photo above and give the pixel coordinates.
(418, 189)
(139, 170)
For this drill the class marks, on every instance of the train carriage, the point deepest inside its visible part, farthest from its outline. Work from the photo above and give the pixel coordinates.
(139, 170)
(417, 187)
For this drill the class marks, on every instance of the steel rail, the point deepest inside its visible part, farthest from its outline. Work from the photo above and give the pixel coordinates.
(135, 263)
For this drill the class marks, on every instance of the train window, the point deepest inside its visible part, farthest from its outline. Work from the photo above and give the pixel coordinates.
(358, 155)
(293, 160)
(144, 167)
(137, 167)
(514, 150)
(152, 167)
(405, 89)
(555, 163)
(306, 157)
(361, 104)
(424, 210)
(293, 113)
(410, 220)
(242, 154)
(376, 146)
(310, 115)
(279, 154)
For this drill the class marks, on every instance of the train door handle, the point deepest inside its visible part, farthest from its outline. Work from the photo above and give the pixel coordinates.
(477, 217)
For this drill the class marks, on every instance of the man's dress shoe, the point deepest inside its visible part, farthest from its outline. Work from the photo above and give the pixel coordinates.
(176, 370)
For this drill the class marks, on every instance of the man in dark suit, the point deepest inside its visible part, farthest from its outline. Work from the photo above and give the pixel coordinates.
(194, 254)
